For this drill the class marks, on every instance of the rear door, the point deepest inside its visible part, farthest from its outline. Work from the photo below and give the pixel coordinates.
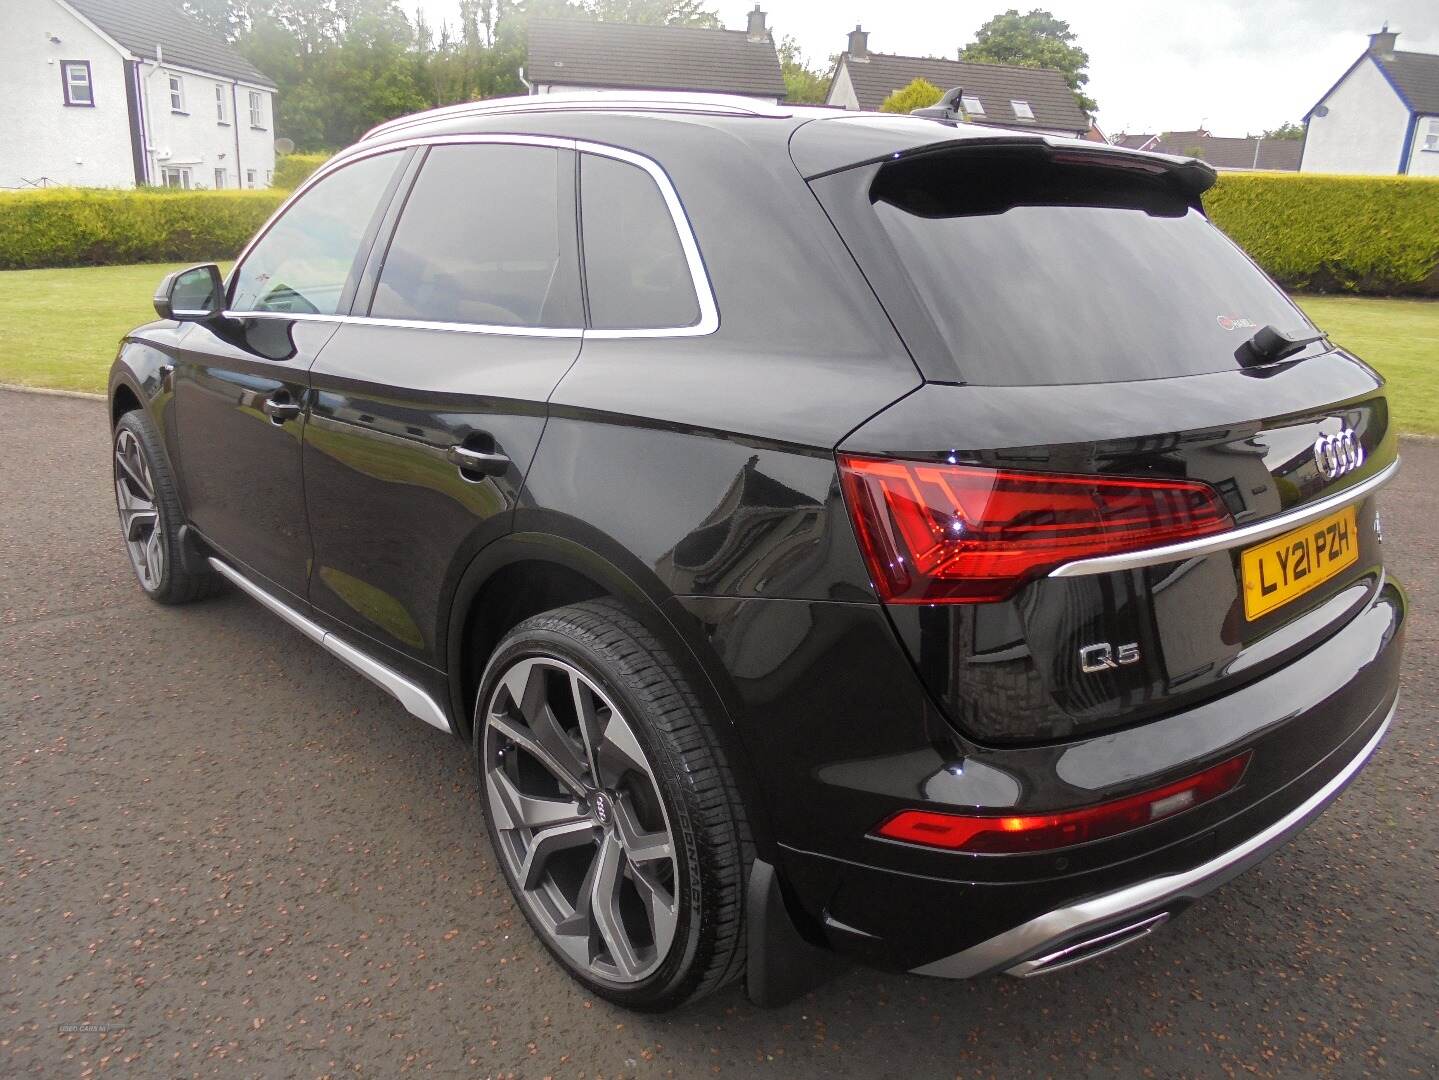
(429, 402)
(1092, 397)
(241, 381)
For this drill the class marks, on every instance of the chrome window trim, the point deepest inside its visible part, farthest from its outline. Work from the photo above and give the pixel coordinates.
(699, 278)
(1207, 545)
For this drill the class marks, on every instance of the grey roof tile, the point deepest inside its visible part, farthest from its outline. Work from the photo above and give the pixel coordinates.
(1225, 153)
(575, 52)
(996, 85)
(141, 25)
(1417, 76)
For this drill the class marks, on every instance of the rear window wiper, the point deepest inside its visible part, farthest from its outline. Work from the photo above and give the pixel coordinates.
(1269, 345)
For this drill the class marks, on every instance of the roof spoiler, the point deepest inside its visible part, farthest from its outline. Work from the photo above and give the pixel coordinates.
(1194, 176)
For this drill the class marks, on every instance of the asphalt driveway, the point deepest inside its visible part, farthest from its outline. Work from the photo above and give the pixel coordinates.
(242, 859)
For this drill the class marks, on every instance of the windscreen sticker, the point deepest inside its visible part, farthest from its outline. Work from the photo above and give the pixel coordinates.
(1236, 322)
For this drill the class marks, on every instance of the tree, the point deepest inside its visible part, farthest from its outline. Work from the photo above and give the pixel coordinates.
(1286, 130)
(919, 94)
(655, 13)
(1037, 39)
(802, 83)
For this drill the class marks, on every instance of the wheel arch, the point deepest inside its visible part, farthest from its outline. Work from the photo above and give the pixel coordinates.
(550, 561)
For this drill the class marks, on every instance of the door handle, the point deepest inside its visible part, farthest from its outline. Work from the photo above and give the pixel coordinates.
(279, 408)
(477, 461)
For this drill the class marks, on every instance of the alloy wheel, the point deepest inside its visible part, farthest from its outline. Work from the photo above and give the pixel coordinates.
(139, 515)
(579, 820)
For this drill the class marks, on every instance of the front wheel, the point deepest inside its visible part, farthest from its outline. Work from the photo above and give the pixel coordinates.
(150, 515)
(611, 807)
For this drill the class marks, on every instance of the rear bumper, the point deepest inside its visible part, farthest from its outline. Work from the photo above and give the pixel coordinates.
(839, 737)
(1061, 936)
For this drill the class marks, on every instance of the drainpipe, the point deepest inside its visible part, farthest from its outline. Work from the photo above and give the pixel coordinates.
(151, 166)
(525, 82)
(235, 127)
(1257, 144)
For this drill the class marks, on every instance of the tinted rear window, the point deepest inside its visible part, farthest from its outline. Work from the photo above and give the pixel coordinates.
(635, 268)
(1037, 272)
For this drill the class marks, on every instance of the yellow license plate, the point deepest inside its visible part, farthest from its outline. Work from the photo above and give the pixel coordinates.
(1278, 570)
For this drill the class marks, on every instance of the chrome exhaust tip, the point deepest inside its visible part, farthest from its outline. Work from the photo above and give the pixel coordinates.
(1088, 949)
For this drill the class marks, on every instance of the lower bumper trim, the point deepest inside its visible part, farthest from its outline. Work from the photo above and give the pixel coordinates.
(1052, 934)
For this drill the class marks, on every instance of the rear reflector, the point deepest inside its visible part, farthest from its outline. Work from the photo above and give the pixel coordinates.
(938, 533)
(995, 835)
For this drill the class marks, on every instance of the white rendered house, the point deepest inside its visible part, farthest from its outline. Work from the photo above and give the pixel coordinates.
(116, 93)
(1380, 118)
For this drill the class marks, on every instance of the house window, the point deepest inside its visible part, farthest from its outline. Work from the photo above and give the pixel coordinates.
(221, 179)
(250, 178)
(176, 176)
(972, 105)
(1431, 134)
(1022, 111)
(257, 110)
(75, 76)
(222, 116)
(177, 94)
(269, 178)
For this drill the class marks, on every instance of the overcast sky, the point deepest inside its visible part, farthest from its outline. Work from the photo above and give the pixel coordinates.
(1236, 67)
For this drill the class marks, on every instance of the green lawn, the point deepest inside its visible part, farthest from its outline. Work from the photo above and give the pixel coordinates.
(59, 328)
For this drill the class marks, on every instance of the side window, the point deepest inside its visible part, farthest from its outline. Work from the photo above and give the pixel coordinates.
(487, 237)
(635, 269)
(304, 262)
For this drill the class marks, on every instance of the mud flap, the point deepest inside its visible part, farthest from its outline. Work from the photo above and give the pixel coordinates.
(781, 963)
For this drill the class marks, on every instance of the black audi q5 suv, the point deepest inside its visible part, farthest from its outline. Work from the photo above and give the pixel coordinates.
(835, 535)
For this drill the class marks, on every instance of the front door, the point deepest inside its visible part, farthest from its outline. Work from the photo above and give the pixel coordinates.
(242, 381)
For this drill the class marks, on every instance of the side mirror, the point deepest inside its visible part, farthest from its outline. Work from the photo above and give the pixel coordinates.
(191, 295)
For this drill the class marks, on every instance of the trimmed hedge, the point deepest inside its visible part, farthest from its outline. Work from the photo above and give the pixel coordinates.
(1314, 233)
(94, 227)
(292, 170)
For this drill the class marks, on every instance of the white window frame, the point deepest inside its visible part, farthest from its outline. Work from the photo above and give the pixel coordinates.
(250, 175)
(269, 178)
(1022, 109)
(176, 84)
(180, 174)
(68, 70)
(972, 104)
(222, 178)
(257, 110)
(222, 110)
(1431, 136)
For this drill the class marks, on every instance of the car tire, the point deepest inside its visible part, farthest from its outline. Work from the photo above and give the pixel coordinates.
(150, 515)
(636, 930)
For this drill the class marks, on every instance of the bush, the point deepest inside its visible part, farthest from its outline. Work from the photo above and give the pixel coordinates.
(292, 170)
(93, 227)
(1359, 234)
(920, 94)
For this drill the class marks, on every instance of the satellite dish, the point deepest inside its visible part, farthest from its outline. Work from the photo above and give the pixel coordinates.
(1321, 110)
(284, 146)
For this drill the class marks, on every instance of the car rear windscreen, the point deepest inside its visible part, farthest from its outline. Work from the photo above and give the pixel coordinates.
(1036, 271)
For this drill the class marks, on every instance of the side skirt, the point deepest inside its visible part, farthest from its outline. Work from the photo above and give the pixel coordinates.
(415, 700)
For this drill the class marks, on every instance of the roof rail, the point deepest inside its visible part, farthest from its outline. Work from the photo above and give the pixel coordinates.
(586, 100)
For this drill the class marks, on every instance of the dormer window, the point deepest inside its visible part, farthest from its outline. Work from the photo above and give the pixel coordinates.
(1022, 111)
(972, 105)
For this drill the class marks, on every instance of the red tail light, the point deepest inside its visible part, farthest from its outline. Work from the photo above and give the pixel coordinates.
(1041, 832)
(937, 533)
